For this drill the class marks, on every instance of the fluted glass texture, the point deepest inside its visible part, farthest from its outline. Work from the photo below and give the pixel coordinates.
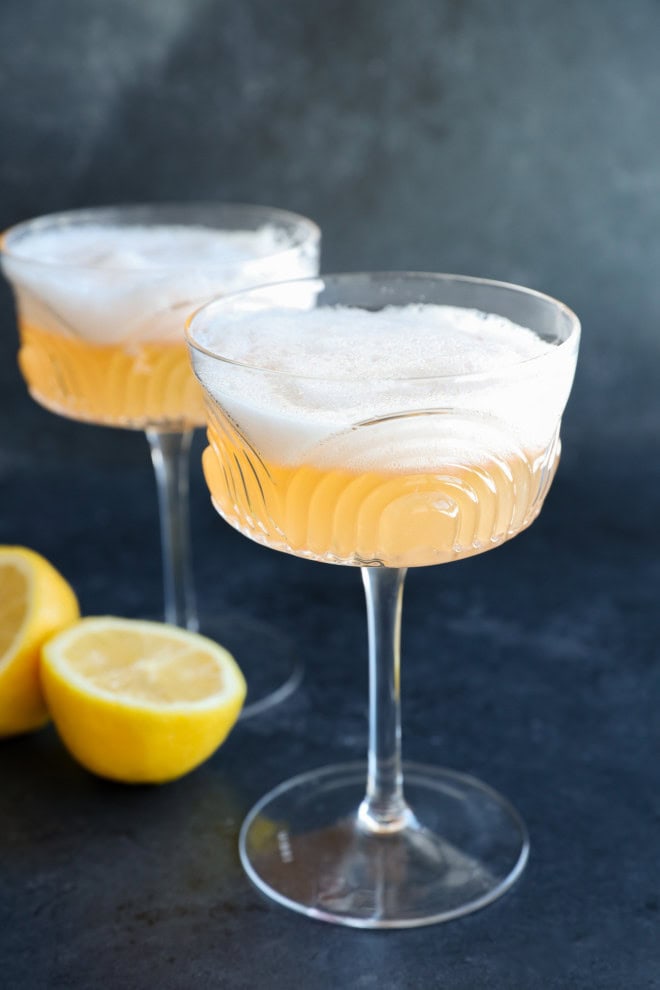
(388, 468)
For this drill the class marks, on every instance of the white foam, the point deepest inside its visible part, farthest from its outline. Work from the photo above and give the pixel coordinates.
(341, 342)
(325, 370)
(111, 284)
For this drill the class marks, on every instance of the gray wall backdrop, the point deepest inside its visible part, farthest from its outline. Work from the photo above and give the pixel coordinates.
(515, 139)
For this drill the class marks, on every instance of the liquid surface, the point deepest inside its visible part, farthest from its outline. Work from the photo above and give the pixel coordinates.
(383, 457)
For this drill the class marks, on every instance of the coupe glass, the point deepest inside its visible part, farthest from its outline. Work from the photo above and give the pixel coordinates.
(101, 297)
(347, 425)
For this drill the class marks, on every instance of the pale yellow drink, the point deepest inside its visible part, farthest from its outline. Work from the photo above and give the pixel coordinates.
(110, 384)
(403, 470)
(395, 518)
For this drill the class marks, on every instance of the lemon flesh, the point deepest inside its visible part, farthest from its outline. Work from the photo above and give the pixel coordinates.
(140, 702)
(35, 603)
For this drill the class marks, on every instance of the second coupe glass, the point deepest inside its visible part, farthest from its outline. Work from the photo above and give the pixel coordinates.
(102, 295)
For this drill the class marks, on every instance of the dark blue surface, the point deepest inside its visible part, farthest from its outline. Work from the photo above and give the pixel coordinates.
(518, 141)
(534, 667)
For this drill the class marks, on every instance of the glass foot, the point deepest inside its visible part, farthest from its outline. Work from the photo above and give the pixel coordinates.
(264, 654)
(463, 847)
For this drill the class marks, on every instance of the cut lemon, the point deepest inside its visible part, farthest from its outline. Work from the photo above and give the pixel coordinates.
(35, 603)
(140, 702)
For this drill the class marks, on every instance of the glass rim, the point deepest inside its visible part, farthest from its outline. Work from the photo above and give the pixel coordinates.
(220, 301)
(309, 231)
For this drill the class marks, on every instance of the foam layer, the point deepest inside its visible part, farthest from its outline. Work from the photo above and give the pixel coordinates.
(138, 247)
(341, 342)
(112, 284)
(324, 371)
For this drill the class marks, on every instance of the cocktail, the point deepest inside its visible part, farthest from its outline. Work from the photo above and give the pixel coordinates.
(383, 421)
(102, 296)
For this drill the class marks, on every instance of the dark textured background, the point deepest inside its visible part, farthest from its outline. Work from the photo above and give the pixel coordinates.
(518, 141)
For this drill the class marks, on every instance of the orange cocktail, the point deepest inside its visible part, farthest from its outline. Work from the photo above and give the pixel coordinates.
(413, 469)
(385, 421)
(101, 300)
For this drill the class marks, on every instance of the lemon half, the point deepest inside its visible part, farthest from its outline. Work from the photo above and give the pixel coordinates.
(140, 702)
(35, 603)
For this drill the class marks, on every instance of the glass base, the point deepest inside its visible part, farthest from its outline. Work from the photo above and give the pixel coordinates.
(264, 654)
(462, 848)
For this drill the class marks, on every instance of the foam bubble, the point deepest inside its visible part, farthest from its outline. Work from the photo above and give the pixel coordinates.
(111, 284)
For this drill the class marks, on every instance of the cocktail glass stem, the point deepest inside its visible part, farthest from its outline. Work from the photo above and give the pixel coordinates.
(248, 639)
(384, 809)
(170, 455)
(320, 845)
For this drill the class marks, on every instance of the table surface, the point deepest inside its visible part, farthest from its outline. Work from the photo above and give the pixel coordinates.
(534, 668)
